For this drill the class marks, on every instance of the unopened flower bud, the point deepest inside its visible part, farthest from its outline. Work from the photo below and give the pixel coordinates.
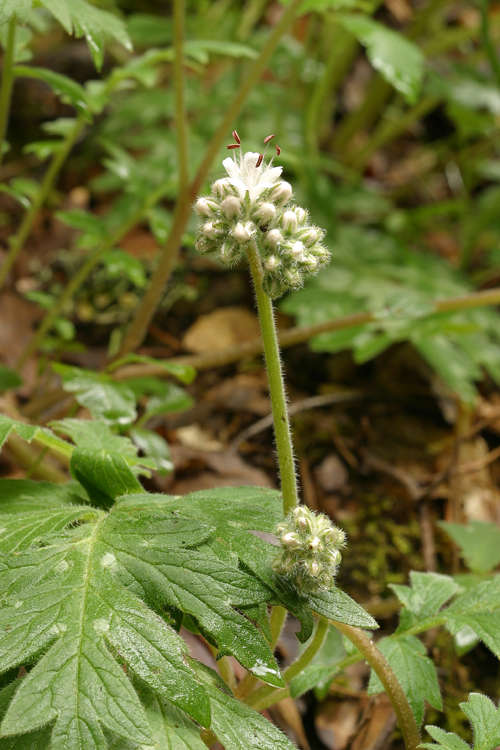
(335, 557)
(281, 193)
(290, 540)
(313, 568)
(273, 286)
(289, 222)
(302, 523)
(241, 233)
(315, 544)
(293, 278)
(265, 212)
(272, 263)
(222, 187)
(205, 207)
(273, 238)
(310, 263)
(209, 230)
(231, 206)
(300, 214)
(297, 251)
(230, 253)
(309, 236)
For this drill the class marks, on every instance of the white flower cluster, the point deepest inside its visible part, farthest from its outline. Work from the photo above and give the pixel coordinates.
(252, 204)
(310, 552)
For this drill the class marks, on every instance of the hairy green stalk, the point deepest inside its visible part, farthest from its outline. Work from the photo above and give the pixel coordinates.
(276, 385)
(147, 308)
(380, 666)
(46, 187)
(180, 103)
(7, 81)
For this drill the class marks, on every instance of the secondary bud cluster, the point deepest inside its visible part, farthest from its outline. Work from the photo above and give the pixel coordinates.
(253, 204)
(310, 553)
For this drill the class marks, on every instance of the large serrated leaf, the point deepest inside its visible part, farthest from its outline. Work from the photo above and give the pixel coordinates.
(64, 600)
(104, 475)
(416, 673)
(337, 605)
(208, 589)
(485, 719)
(479, 609)
(479, 543)
(23, 495)
(425, 597)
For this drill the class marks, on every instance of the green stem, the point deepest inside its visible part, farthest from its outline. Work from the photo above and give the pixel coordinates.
(277, 621)
(380, 666)
(7, 81)
(146, 310)
(276, 385)
(180, 105)
(487, 41)
(50, 177)
(79, 278)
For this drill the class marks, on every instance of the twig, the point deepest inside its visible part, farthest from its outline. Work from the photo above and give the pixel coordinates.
(314, 402)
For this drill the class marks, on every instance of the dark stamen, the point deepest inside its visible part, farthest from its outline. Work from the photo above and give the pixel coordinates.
(236, 137)
(278, 150)
(260, 160)
(233, 145)
(269, 137)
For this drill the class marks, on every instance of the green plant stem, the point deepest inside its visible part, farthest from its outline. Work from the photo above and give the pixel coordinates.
(78, 279)
(180, 104)
(30, 457)
(259, 698)
(146, 310)
(277, 621)
(380, 666)
(46, 186)
(487, 41)
(7, 81)
(276, 385)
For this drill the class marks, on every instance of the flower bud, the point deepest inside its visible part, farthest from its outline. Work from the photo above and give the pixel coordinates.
(273, 238)
(273, 286)
(313, 568)
(230, 253)
(281, 193)
(206, 207)
(289, 222)
(271, 264)
(293, 278)
(231, 207)
(241, 233)
(209, 230)
(321, 254)
(205, 245)
(300, 214)
(265, 212)
(309, 263)
(315, 544)
(309, 236)
(290, 540)
(222, 187)
(335, 557)
(297, 251)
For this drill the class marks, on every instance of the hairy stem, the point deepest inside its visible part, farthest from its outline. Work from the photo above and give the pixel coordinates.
(146, 310)
(47, 184)
(7, 81)
(79, 278)
(276, 385)
(380, 666)
(488, 45)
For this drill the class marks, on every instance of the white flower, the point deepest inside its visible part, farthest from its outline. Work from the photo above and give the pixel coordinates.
(246, 177)
(271, 263)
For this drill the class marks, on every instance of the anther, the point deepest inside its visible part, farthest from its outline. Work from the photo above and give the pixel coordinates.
(269, 137)
(260, 160)
(278, 150)
(236, 137)
(233, 145)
